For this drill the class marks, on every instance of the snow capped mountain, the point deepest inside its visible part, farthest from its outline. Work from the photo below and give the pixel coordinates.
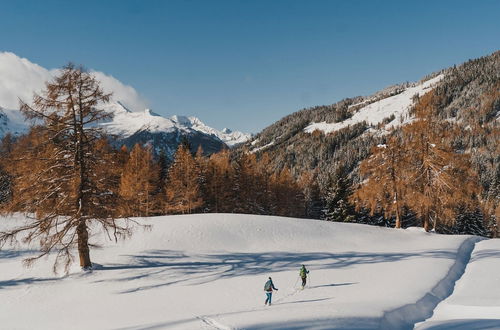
(229, 137)
(19, 78)
(131, 127)
(126, 124)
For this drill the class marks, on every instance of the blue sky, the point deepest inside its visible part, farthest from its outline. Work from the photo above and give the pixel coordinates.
(246, 64)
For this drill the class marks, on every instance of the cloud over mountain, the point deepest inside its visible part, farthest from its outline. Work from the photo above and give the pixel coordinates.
(20, 78)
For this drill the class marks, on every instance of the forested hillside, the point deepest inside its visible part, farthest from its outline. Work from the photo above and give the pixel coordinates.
(466, 96)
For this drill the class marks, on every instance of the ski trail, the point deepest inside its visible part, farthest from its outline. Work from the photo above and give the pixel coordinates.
(213, 323)
(407, 316)
(290, 294)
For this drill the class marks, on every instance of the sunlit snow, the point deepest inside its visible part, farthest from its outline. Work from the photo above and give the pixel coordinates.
(375, 113)
(208, 272)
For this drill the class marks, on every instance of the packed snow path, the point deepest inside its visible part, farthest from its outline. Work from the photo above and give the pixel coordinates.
(208, 272)
(475, 302)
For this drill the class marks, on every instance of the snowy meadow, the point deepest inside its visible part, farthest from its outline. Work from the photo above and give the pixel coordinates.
(208, 272)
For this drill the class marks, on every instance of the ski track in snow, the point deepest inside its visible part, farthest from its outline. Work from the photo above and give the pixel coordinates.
(213, 323)
(406, 317)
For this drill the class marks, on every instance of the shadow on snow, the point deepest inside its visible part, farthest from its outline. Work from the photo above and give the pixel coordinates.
(171, 267)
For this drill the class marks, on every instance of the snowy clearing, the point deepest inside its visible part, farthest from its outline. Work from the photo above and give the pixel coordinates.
(208, 272)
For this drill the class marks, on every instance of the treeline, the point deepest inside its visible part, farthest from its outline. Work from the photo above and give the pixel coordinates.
(135, 183)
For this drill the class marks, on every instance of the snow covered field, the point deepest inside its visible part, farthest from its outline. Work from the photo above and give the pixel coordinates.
(208, 272)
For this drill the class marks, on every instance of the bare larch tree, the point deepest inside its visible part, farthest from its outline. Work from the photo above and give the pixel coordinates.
(60, 170)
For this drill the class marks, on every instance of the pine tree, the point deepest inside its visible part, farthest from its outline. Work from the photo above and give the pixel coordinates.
(337, 206)
(469, 223)
(55, 172)
(5, 187)
(313, 201)
(492, 227)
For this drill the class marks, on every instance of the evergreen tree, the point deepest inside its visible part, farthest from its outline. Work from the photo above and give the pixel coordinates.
(492, 227)
(337, 207)
(5, 187)
(469, 223)
(313, 201)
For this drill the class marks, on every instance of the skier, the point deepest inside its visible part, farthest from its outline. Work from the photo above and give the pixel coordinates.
(303, 275)
(269, 287)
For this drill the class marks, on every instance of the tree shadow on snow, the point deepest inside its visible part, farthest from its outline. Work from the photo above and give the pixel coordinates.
(11, 254)
(170, 267)
(304, 301)
(333, 284)
(24, 281)
(359, 323)
(468, 324)
(489, 253)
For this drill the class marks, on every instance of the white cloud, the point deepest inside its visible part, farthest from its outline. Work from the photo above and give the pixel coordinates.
(20, 78)
(124, 93)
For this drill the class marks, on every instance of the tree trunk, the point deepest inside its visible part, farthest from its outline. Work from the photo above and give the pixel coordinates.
(426, 221)
(83, 245)
(398, 219)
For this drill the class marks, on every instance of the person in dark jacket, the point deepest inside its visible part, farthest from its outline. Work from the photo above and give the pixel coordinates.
(268, 288)
(303, 275)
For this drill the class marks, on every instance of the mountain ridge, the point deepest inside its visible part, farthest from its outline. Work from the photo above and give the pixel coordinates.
(127, 126)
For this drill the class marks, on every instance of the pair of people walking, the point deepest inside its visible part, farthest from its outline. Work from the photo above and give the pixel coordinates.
(269, 286)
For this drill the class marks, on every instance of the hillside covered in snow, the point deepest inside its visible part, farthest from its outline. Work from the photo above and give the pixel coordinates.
(208, 272)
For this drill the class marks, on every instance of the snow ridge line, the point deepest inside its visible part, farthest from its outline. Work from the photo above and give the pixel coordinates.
(407, 316)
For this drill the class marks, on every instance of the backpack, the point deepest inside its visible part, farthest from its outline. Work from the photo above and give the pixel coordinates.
(268, 286)
(303, 272)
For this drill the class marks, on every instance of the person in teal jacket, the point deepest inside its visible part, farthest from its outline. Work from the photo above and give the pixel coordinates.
(269, 287)
(303, 275)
